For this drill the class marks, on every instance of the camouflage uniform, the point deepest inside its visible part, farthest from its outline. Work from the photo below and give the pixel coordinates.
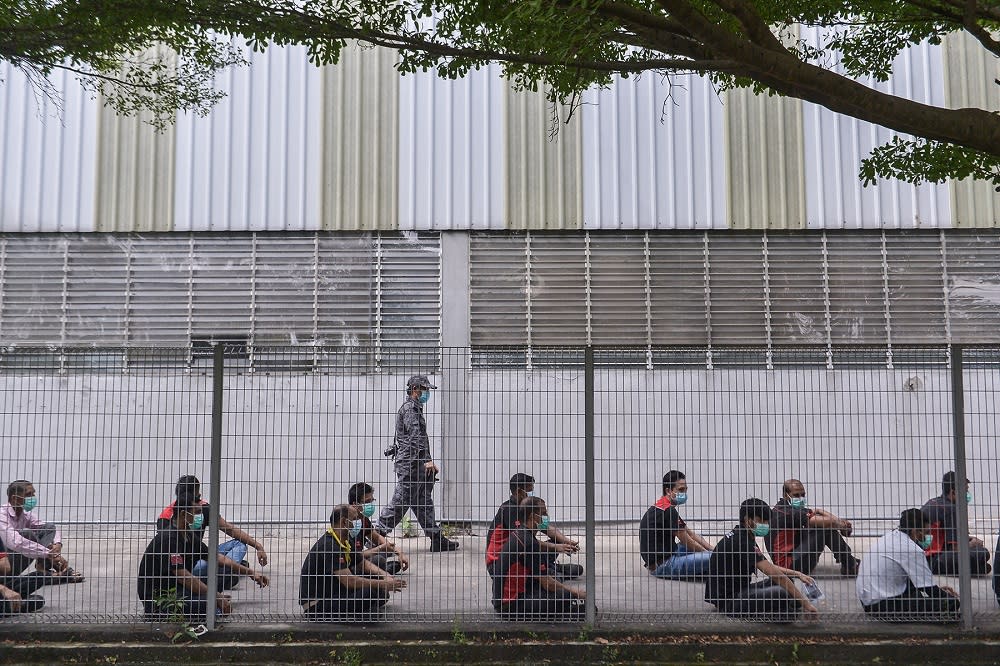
(414, 484)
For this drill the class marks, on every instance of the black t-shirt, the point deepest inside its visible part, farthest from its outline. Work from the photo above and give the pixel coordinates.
(361, 542)
(517, 570)
(504, 521)
(318, 579)
(169, 551)
(732, 566)
(657, 531)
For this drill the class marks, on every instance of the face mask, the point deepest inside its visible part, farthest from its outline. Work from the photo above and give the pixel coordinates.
(544, 525)
(368, 509)
(198, 522)
(355, 528)
(424, 397)
(761, 529)
(797, 502)
(968, 498)
(680, 498)
(530, 493)
(926, 542)
(30, 503)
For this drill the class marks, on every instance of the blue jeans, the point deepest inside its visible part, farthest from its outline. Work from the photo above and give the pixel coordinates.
(234, 550)
(684, 565)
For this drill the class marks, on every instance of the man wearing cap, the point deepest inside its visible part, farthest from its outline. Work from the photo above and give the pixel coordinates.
(415, 469)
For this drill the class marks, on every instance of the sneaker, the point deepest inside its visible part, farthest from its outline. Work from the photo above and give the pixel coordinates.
(442, 544)
(393, 567)
(849, 567)
(568, 571)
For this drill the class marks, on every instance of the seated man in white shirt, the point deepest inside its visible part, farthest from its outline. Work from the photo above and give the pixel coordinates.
(26, 539)
(895, 583)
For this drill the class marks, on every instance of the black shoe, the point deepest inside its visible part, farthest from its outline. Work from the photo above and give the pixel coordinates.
(32, 603)
(393, 567)
(569, 571)
(442, 544)
(849, 567)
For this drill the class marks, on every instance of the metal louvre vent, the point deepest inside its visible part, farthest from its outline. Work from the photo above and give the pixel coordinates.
(321, 290)
(721, 289)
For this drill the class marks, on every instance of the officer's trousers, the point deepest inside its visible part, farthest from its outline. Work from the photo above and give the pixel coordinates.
(413, 491)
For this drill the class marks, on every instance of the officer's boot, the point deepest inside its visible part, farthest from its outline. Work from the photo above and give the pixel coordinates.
(440, 544)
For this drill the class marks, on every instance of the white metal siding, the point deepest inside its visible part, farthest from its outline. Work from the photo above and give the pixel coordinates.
(47, 155)
(654, 155)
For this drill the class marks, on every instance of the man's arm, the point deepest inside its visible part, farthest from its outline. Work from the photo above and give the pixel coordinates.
(234, 532)
(824, 519)
(15, 543)
(189, 581)
(692, 540)
(558, 537)
(354, 582)
(780, 578)
(233, 565)
(11, 597)
(550, 584)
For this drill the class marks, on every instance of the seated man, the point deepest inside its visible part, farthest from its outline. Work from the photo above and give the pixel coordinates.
(26, 539)
(734, 561)
(660, 530)
(235, 549)
(895, 583)
(16, 591)
(167, 585)
(328, 588)
(369, 543)
(523, 585)
(941, 511)
(799, 535)
(506, 519)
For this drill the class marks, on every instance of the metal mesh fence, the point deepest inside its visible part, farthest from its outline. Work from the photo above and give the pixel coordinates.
(868, 432)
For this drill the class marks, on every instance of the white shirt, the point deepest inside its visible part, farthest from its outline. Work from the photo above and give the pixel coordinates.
(889, 565)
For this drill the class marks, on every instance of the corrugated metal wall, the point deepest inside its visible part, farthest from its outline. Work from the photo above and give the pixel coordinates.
(358, 147)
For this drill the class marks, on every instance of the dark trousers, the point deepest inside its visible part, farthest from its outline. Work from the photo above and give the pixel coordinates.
(359, 605)
(931, 605)
(543, 606)
(946, 562)
(413, 491)
(812, 542)
(24, 586)
(763, 602)
(192, 609)
(44, 535)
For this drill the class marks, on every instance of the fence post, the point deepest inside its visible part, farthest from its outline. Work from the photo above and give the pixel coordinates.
(218, 360)
(590, 490)
(961, 473)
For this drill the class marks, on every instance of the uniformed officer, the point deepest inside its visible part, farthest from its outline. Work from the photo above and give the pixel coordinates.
(415, 469)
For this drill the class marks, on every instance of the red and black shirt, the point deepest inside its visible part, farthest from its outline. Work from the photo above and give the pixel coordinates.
(517, 570)
(499, 531)
(658, 531)
(787, 524)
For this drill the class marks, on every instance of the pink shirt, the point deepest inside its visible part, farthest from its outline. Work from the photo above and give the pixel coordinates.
(13, 542)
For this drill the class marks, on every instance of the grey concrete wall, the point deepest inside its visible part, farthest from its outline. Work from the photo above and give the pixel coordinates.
(867, 442)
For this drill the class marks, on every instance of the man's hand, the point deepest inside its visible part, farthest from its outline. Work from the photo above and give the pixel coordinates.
(809, 611)
(262, 556)
(260, 579)
(393, 584)
(431, 468)
(12, 597)
(566, 548)
(580, 594)
(404, 561)
(805, 579)
(948, 590)
(55, 548)
(846, 528)
(976, 543)
(59, 563)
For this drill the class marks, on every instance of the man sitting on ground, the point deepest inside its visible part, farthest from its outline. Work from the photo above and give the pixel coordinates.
(799, 535)
(735, 560)
(26, 539)
(660, 530)
(166, 575)
(523, 586)
(506, 520)
(328, 587)
(942, 513)
(369, 543)
(895, 583)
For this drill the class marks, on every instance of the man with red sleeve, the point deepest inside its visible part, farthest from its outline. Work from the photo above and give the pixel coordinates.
(799, 535)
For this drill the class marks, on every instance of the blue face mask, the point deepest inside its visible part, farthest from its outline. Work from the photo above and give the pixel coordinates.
(530, 493)
(198, 522)
(761, 529)
(368, 509)
(30, 503)
(355, 528)
(544, 525)
(926, 542)
(968, 498)
(425, 396)
(680, 498)
(797, 502)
